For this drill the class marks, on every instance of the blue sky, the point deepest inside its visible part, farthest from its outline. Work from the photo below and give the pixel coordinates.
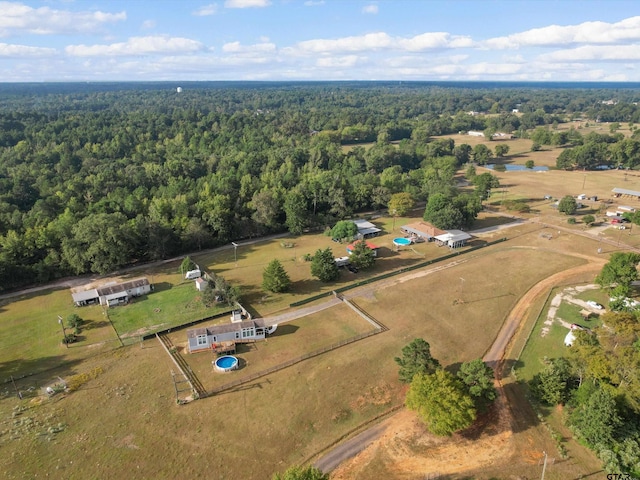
(154, 40)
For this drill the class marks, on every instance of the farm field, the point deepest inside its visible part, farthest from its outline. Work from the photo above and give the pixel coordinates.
(293, 415)
(291, 340)
(287, 417)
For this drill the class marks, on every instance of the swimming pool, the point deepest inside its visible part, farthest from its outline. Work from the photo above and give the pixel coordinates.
(226, 363)
(401, 242)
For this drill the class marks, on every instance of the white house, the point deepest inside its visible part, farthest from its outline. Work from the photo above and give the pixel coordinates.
(453, 238)
(473, 133)
(241, 332)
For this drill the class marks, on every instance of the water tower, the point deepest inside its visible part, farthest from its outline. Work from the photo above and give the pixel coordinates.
(179, 89)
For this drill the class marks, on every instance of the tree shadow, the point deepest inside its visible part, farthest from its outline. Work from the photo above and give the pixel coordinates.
(94, 324)
(35, 371)
(160, 287)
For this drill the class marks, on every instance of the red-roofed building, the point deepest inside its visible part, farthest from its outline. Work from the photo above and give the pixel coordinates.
(369, 244)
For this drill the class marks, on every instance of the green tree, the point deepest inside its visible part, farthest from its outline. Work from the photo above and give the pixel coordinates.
(186, 265)
(484, 183)
(554, 383)
(441, 402)
(99, 243)
(501, 149)
(275, 278)
(296, 212)
(75, 321)
(529, 164)
(323, 265)
(416, 358)
(362, 256)
(478, 378)
(301, 473)
(567, 205)
(619, 272)
(401, 204)
(588, 219)
(344, 229)
(482, 154)
(596, 420)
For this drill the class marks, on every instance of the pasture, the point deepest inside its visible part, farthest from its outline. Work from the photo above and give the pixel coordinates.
(125, 420)
(289, 416)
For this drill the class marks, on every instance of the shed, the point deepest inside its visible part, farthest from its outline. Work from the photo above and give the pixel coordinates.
(201, 284)
(366, 229)
(86, 297)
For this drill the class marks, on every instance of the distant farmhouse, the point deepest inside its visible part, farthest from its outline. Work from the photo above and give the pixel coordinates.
(114, 294)
(623, 192)
(424, 231)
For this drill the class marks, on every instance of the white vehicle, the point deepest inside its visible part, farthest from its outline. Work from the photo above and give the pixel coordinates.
(595, 305)
(191, 274)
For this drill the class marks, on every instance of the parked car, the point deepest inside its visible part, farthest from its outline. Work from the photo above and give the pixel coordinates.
(352, 269)
(595, 305)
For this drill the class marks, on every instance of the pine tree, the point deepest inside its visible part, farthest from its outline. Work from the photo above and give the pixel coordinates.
(275, 278)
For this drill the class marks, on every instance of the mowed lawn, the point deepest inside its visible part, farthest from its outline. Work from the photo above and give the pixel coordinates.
(127, 420)
(290, 341)
(252, 259)
(32, 336)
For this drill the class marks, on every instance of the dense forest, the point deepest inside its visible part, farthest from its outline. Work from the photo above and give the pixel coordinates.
(94, 177)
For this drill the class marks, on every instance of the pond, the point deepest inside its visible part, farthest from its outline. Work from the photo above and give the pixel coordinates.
(519, 168)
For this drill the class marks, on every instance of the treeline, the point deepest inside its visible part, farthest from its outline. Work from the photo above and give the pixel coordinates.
(91, 180)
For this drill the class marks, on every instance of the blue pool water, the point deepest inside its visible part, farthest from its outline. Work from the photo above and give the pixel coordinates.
(519, 168)
(402, 241)
(228, 362)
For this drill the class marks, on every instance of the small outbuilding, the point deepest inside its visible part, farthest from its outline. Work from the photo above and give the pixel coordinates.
(201, 284)
(366, 229)
(373, 247)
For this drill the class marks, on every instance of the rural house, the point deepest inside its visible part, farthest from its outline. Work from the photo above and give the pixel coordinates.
(205, 338)
(373, 247)
(423, 230)
(113, 294)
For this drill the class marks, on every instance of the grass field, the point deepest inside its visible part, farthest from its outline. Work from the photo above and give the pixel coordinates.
(126, 422)
(288, 416)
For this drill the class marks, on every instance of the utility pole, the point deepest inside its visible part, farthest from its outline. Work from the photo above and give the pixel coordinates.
(235, 252)
(64, 332)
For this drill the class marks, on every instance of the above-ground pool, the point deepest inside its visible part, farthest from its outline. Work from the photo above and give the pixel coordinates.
(401, 242)
(226, 363)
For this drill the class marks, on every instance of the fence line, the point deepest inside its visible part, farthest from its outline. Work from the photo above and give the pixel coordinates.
(293, 361)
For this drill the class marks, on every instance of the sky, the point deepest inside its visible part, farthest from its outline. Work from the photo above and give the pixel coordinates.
(285, 40)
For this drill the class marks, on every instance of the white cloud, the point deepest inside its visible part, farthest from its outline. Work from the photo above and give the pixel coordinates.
(585, 33)
(138, 46)
(313, 3)
(206, 10)
(19, 51)
(338, 62)
(246, 3)
(592, 53)
(148, 24)
(382, 40)
(372, 9)
(236, 47)
(20, 18)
